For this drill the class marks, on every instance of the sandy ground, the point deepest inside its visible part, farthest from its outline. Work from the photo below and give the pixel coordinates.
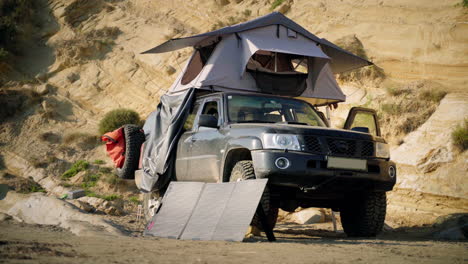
(24, 243)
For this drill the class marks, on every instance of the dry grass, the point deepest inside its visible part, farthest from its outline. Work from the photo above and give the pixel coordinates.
(232, 20)
(84, 141)
(460, 136)
(50, 137)
(407, 108)
(14, 102)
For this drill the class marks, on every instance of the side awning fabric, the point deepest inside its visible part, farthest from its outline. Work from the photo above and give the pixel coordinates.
(163, 129)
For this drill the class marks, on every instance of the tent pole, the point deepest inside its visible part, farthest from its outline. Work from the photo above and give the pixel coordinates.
(276, 62)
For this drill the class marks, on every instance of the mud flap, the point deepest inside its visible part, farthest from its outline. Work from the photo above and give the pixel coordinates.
(208, 211)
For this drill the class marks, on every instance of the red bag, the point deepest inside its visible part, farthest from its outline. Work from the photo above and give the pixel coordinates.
(115, 146)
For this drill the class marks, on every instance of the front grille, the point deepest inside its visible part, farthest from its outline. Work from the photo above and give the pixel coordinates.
(341, 147)
(338, 147)
(312, 144)
(367, 148)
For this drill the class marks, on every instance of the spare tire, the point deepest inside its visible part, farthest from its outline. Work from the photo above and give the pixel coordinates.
(134, 137)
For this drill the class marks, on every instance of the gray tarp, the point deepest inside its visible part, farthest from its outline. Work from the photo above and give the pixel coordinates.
(162, 129)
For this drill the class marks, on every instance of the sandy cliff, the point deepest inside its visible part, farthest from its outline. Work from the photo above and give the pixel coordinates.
(89, 54)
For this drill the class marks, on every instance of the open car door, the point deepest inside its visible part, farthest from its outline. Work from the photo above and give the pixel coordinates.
(363, 120)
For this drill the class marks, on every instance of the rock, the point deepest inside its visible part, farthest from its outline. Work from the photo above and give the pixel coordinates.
(83, 206)
(454, 233)
(75, 194)
(451, 227)
(42, 77)
(48, 106)
(73, 77)
(222, 2)
(43, 89)
(4, 217)
(38, 208)
(101, 205)
(434, 159)
(427, 160)
(78, 178)
(28, 87)
(170, 70)
(308, 216)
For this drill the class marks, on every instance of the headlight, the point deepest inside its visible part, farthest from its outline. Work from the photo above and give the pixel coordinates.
(281, 141)
(382, 150)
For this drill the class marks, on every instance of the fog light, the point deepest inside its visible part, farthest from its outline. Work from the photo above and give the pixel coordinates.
(392, 171)
(282, 163)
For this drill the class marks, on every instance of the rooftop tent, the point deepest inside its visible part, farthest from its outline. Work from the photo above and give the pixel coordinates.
(224, 60)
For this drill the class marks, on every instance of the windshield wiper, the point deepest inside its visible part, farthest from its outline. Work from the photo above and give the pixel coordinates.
(255, 121)
(292, 123)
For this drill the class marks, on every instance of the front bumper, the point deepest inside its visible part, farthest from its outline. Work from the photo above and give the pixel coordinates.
(310, 172)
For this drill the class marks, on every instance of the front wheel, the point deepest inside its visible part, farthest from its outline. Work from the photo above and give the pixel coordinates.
(244, 170)
(363, 215)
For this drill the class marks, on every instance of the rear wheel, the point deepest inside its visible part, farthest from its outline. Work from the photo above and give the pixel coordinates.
(243, 170)
(134, 137)
(363, 215)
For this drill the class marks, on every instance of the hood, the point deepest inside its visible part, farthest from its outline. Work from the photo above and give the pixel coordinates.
(306, 130)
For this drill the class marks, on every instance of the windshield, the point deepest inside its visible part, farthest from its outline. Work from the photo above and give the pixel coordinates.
(260, 109)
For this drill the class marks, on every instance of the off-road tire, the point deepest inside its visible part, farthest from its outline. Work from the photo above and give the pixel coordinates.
(134, 137)
(146, 205)
(244, 170)
(363, 215)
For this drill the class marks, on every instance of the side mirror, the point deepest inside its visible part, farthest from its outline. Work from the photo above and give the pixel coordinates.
(361, 129)
(208, 121)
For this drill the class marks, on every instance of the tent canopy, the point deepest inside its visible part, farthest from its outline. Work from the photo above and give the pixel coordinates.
(264, 55)
(341, 60)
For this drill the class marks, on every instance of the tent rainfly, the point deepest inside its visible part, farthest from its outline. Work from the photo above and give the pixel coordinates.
(271, 54)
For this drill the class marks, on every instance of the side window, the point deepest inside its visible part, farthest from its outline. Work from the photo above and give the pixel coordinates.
(362, 119)
(188, 126)
(211, 108)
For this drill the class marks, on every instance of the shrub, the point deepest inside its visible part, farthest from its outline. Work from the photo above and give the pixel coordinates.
(391, 109)
(434, 95)
(117, 118)
(465, 3)
(98, 162)
(13, 13)
(36, 188)
(50, 137)
(396, 91)
(134, 199)
(247, 12)
(460, 136)
(4, 54)
(105, 170)
(78, 166)
(112, 179)
(276, 3)
(111, 197)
